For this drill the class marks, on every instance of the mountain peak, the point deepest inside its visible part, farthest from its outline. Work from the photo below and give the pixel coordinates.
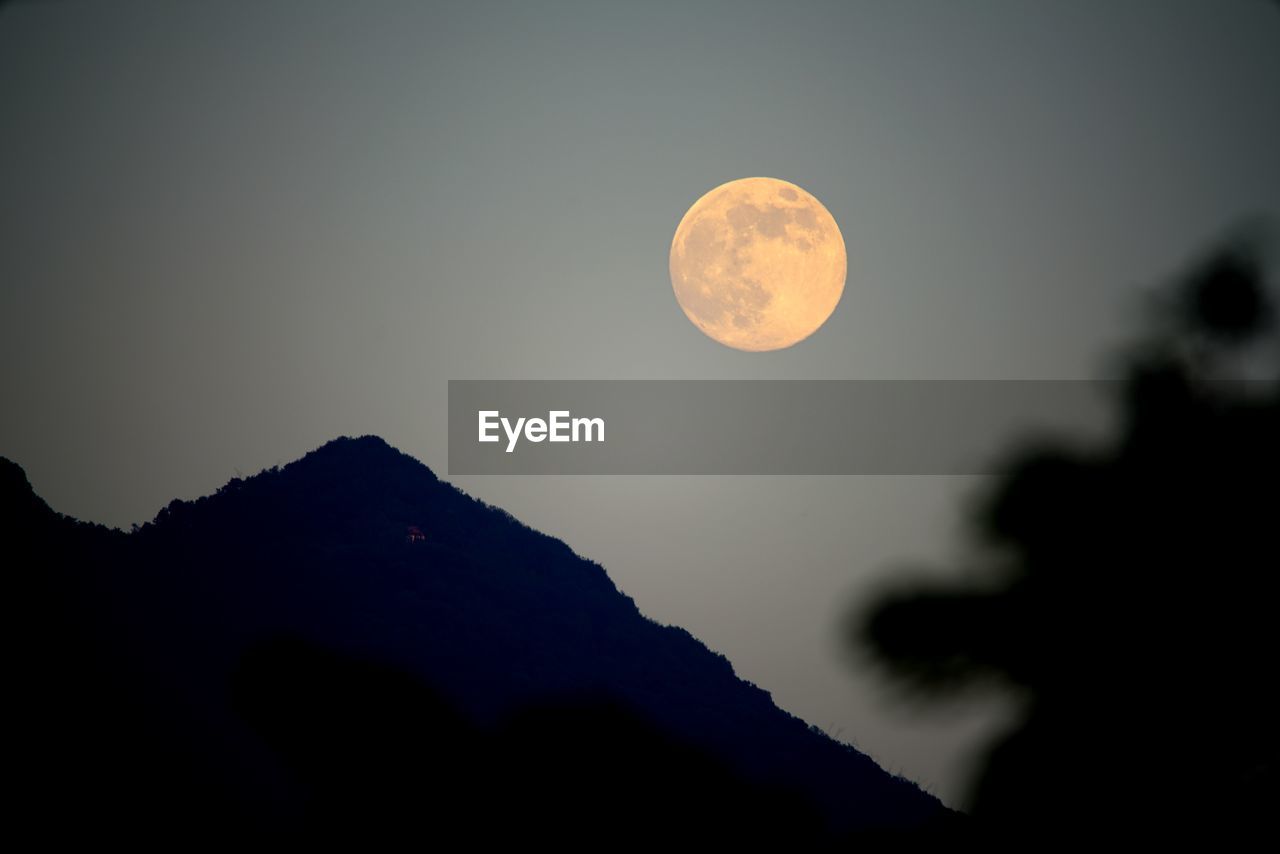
(13, 480)
(19, 504)
(360, 450)
(367, 444)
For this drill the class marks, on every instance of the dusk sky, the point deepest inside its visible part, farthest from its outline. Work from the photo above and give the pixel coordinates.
(235, 231)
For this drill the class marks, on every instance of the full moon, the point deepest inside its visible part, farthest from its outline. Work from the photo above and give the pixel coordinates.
(758, 264)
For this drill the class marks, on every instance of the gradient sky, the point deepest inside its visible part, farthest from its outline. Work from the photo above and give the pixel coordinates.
(234, 231)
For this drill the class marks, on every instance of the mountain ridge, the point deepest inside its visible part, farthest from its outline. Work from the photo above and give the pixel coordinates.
(492, 614)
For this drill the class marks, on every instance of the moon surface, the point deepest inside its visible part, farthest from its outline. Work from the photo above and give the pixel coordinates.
(758, 264)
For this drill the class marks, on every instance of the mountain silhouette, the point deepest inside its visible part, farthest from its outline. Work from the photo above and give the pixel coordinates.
(348, 644)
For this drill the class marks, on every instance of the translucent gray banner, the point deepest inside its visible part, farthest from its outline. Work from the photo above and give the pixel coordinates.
(717, 427)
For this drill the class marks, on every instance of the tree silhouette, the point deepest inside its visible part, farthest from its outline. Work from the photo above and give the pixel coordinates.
(1125, 593)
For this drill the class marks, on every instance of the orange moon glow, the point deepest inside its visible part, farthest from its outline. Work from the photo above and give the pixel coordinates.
(758, 264)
